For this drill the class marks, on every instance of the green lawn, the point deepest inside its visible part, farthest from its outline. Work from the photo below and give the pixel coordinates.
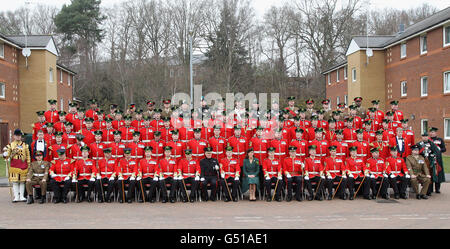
(2, 167)
(446, 160)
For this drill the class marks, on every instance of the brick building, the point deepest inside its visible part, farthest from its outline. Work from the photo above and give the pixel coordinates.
(412, 66)
(27, 84)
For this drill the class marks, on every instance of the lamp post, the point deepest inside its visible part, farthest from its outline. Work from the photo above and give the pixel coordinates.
(190, 70)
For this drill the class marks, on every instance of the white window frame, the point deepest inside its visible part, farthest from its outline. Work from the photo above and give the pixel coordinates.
(346, 100)
(443, 36)
(353, 74)
(337, 75)
(61, 104)
(446, 82)
(329, 78)
(403, 86)
(402, 45)
(2, 50)
(422, 130)
(446, 124)
(60, 76)
(422, 39)
(345, 72)
(422, 94)
(3, 90)
(68, 79)
(50, 77)
(338, 100)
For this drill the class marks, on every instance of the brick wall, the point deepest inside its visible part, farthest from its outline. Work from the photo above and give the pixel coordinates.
(336, 88)
(64, 89)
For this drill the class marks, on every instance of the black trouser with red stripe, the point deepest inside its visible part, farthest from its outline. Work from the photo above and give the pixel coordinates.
(234, 186)
(109, 188)
(335, 181)
(298, 187)
(147, 184)
(60, 193)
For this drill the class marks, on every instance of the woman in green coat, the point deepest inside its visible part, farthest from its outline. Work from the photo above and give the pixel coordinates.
(250, 179)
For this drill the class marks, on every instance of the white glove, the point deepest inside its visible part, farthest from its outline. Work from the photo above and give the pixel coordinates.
(345, 177)
(111, 178)
(162, 178)
(53, 175)
(120, 178)
(366, 175)
(351, 175)
(407, 176)
(329, 177)
(372, 176)
(288, 176)
(67, 178)
(155, 178)
(73, 180)
(267, 178)
(5, 154)
(197, 178)
(280, 178)
(236, 178)
(202, 179)
(392, 176)
(82, 143)
(222, 175)
(323, 177)
(92, 179)
(99, 176)
(132, 178)
(138, 178)
(306, 177)
(216, 167)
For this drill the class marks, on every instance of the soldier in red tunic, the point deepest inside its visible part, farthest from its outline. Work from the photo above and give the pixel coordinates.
(300, 143)
(148, 172)
(397, 170)
(217, 143)
(106, 176)
(51, 116)
(272, 169)
(60, 172)
(85, 172)
(229, 171)
(178, 146)
(314, 173)
(188, 173)
(126, 171)
(167, 174)
(293, 171)
(40, 125)
(335, 171)
(378, 175)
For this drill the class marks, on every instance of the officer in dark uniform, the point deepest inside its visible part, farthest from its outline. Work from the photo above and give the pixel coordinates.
(208, 174)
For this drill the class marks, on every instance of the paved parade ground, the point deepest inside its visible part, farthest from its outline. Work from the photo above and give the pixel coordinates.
(360, 213)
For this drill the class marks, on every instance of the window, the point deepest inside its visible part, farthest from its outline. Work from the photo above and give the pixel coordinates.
(403, 50)
(60, 76)
(2, 50)
(171, 73)
(329, 79)
(403, 88)
(447, 128)
(338, 100)
(337, 75)
(353, 74)
(423, 126)
(2, 90)
(424, 86)
(50, 72)
(62, 104)
(345, 99)
(68, 79)
(423, 44)
(447, 82)
(345, 72)
(446, 36)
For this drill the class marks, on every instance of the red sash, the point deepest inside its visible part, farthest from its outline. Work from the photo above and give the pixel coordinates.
(17, 163)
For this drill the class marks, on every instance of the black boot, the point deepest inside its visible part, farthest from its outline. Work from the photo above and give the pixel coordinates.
(418, 197)
(396, 196)
(42, 200)
(424, 197)
(30, 199)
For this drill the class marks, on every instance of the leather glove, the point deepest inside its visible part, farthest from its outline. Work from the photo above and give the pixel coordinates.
(407, 176)
(92, 179)
(306, 177)
(67, 178)
(197, 178)
(202, 179)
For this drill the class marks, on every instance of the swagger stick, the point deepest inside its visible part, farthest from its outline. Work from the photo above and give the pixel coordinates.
(360, 184)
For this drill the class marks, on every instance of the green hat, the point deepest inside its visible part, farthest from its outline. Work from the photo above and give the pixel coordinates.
(301, 110)
(157, 133)
(81, 109)
(40, 113)
(389, 113)
(404, 121)
(433, 129)
(353, 148)
(120, 112)
(393, 148)
(296, 118)
(318, 129)
(359, 131)
(68, 123)
(352, 107)
(312, 147)
(349, 119)
(85, 148)
(165, 119)
(117, 132)
(379, 132)
(108, 119)
(136, 133)
(229, 148)
(88, 119)
(415, 147)
(332, 147)
(338, 132)
(425, 134)
(100, 111)
(394, 102)
(299, 130)
(61, 152)
(98, 132)
(331, 120)
(314, 117)
(146, 118)
(52, 101)
(367, 122)
(375, 101)
(375, 149)
(336, 113)
(197, 130)
(188, 152)
(148, 148)
(59, 133)
(93, 101)
(260, 128)
(385, 121)
(271, 149)
(139, 111)
(127, 151)
(168, 148)
(79, 137)
(175, 132)
(291, 98)
(157, 110)
(127, 117)
(107, 150)
(73, 104)
(208, 149)
(372, 109)
(321, 111)
(49, 125)
(292, 148)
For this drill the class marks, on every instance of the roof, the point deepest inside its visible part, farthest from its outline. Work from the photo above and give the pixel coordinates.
(32, 40)
(438, 17)
(65, 68)
(374, 41)
(335, 66)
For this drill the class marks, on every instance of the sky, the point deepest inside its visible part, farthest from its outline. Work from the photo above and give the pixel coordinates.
(260, 6)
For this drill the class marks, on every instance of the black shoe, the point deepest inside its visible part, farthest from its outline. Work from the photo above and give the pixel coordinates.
(42, 200)
(386, 197)
(78, 200)
(213, 199)
(438, 191)
(320, 198)
(329, 197)
(172, 200)
(120, 200)
(373, 196)
(268, 199)
(351, 198)
(227, 199)
(310, 198)
(424, 197)
(108, 200)
(289, 198)
(298, 199)
(30, 199)
(367, 197)
(100, 200)
(141, 201)
(152, 201)
(130, 201)
(396, 196)
(192, 200)
(65, 200)
(164, 200)
(89, 199)
(278, 199)
(418, 197)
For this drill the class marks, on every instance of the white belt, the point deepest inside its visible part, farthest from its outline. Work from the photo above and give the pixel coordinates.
(126, 174)
(184, 141)
(136, 156)
(176, 156)
(77, 157)
(279, 154)
(376, 172)
(188, 174)
(217, 153)
(146, 141)
(97, 158)
(355, 172)
(340, 154)
(157, 154)
(395, 172)
(197, 154)
(127, 141)
(106, 172)
(361, 154)
(333, 171)
(257, 152)
(168, 173)
(230, 173)
(313, 172)
(85, 174)
(300, 154)
(349, 141)
(272, 172)
(321, 154)
(146, 174)
(107, 142)
(61, 175)
(34, 174)
(116, 156)
(238, 153)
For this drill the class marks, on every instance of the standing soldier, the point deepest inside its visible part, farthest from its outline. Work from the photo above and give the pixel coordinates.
(75, 150)
(300, 144)
(341, 146)
(360, 110)
(239, 144)
(166, 110)
(178, 147)
(320, 144)
(37, 175)
(92, 112)
(342, 112)
(18, 154)
(419, 172)
(326, 109)
(51, 116)
(440, 175)
(150, 109)
(217, 143)
(293, 171)
(309, 109)
(40, 125)
(398, 115)
(197, 145)
(292, 109)
(117, 146)
(108, 133)
(433, 157)
(157, 145)
(209, 167)
(72, 112)
(112, 111)
(259, 144)
(379, 115)
(361, 145)
(280, 145)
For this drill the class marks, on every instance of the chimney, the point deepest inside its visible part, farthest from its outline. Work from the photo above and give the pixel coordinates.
(401, 28)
